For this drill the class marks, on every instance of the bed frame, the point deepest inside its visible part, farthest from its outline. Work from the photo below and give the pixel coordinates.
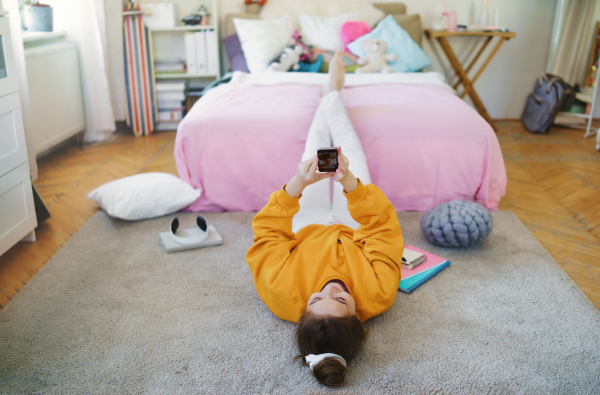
(411, 23)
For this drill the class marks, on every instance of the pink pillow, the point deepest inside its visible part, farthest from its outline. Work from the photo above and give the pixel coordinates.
(353, 30)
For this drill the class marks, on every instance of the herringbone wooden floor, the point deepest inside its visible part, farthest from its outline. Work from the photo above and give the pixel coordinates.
(554, 188)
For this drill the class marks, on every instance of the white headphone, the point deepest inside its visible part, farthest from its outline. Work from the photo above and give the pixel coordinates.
(313, 359)
(202, 232)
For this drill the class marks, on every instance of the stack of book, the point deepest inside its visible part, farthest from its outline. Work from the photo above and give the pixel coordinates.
(170, 96)
(194, 93)
(169, 66)
(418, 266)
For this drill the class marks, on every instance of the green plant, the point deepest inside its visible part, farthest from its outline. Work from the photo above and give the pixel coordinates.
(27, 2)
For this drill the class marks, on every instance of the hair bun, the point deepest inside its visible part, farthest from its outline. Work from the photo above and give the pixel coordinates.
(330, 372)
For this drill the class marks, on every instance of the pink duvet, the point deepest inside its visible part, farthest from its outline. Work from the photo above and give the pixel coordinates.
(424, 145)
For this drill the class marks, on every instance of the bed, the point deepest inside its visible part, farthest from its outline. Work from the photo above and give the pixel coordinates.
(424, 145)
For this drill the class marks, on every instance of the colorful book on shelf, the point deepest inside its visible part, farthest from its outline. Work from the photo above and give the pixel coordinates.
(166, 96)
(164, 86)
(170, 105)
(165, 125)
(179, 107)
(412, 278)
(170, 115)
(169, 66)
(173, 72)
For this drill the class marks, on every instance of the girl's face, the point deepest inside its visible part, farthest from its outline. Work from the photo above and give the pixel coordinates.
(332, 301)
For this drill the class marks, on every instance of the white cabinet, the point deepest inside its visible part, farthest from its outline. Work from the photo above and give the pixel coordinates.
(17, 213)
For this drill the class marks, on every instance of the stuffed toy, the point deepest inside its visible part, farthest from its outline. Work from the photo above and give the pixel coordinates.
(288, 60)
(376, 59)
(297, 40)
(311, 67)
(350, 60)
(352, 30)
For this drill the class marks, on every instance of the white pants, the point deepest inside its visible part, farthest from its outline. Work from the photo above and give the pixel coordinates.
(331, 126)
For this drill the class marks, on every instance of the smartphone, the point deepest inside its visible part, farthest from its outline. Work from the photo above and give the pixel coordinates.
(328, 159)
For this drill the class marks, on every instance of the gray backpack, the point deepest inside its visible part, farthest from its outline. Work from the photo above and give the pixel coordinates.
(550, 95)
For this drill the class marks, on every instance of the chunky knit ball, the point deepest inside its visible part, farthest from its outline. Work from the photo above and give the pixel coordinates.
(456, 224)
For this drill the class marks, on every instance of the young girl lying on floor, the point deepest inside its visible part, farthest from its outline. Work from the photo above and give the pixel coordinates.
(328, 264)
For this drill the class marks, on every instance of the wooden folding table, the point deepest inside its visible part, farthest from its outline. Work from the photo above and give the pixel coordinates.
(463, 78)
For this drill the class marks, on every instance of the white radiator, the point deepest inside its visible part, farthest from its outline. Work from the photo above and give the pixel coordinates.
(55, 94)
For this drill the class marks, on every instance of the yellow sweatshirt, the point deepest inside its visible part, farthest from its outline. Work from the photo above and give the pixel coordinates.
(289, 267)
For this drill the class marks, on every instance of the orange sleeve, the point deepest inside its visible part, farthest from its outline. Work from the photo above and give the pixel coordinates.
(273, 241)
(379, 235)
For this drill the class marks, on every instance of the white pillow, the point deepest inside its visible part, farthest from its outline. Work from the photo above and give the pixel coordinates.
(143, 196)
(324, 32)
(368, 13)
(263, 40)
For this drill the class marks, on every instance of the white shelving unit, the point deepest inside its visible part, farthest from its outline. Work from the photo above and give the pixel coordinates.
(588, 94)
(169, 43)
(583, 121)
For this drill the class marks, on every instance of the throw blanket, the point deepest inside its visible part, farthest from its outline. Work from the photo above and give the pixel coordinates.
(424, 145)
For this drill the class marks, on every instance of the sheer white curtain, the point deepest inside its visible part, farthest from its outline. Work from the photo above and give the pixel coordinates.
(85, 23)
(576, 31)
(113, 48)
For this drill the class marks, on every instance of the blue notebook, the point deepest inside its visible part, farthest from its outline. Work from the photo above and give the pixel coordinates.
(412, 278)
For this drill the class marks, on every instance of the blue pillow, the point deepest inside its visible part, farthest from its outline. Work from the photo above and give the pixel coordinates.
(410, 57)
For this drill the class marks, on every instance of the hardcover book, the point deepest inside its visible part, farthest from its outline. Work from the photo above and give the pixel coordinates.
(412, 278)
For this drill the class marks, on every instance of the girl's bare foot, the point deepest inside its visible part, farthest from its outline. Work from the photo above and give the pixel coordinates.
(337, 72)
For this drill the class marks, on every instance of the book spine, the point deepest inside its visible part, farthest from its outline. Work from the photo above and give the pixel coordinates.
(170, 96)
(170, 115)
(190, 53)
(170, 86)
(201, 55)
(212, 51)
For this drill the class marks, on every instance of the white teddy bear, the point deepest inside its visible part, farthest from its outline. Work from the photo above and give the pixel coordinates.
(289, 59)
(376, 59)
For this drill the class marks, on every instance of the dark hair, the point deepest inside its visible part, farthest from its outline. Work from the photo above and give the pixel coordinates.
(322, 334)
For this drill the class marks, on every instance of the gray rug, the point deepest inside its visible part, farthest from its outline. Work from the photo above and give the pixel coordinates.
(113, 313)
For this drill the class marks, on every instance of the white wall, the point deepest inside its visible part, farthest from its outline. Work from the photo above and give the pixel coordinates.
(508, 79)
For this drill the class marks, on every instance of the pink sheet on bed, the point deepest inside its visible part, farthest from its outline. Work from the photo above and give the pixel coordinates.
(424, 145)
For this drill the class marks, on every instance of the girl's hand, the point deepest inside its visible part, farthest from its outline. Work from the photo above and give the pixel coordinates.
(343, 175)
(342, 170)
(306, 174)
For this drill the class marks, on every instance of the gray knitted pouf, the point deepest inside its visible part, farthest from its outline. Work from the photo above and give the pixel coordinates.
(456, 224)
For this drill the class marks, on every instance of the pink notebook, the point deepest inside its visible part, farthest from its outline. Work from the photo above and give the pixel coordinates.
(432, 261)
